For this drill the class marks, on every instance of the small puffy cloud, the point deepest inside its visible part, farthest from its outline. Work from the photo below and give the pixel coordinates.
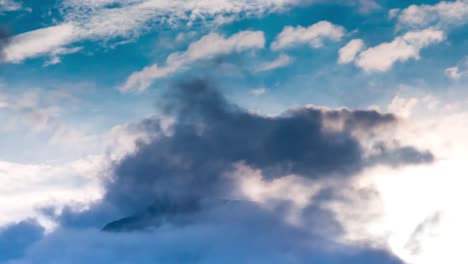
(367, 6)
(207, 47)
(382, 57)
(282, 61)
(258, 91)
(9, 5)
(314, 35)
(458, 71)
(349, 52)
(444, 13)
(453, 73)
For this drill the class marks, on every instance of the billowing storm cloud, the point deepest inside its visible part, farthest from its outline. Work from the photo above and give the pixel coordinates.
(178, 190)
(186, 169)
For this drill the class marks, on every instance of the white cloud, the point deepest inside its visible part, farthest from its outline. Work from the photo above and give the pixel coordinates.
(453, 72)
(104, 20)
(349, 52)
(39, 42)
(417, 212)
(458, 71)
(258, 91)
(185, 37)
(131, 17)
(314, 35)
(367, 6)
(282, 61)
(402, 106)
(382, 57)
(444, 13)
(55, 55)
(9, 5)
(209, 46)
(297, 190)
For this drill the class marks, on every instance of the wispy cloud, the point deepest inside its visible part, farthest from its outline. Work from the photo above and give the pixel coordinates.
(40, 42)
(207, 47)
(110, 19)
(282, 61)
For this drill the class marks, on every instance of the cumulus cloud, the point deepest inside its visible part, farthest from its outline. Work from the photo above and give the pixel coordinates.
(189, 165)
(382, 57)
(349, 52)
(458, 71)
(207, 47)
(427, 228)
(442, 14)
(380, 208)
(314, 35)
(220, 169)
(453, 73)
(183, 189)
(282, 61)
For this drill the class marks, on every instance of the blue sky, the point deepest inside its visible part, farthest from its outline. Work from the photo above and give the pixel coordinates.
(89, 89)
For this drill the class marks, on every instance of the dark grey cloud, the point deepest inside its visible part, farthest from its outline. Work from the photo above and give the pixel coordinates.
(169, 202)
(185, 172)
(4, 40)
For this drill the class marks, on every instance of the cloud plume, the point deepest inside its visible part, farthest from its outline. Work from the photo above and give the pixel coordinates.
(178, 190)
(210, 135)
